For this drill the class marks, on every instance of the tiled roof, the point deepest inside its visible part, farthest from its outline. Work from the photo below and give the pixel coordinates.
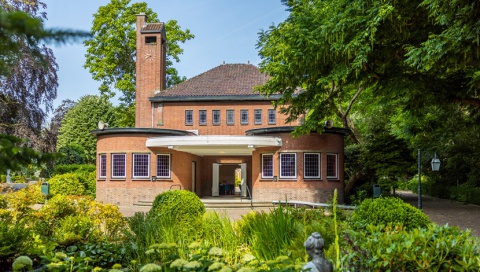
(223, 80)
(152, 27)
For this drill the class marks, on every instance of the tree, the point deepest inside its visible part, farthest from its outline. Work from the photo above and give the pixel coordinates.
(83, 118)
(111, 52)
(14, 155)
(28, 76)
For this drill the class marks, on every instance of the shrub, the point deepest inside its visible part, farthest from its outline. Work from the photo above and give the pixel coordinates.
(181, 205)
(66, 184)
(397, 249)
(388, 211)
(14, 240)
(71, 168)
(71, 154)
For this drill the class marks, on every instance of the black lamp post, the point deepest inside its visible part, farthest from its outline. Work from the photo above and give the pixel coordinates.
(435, 167)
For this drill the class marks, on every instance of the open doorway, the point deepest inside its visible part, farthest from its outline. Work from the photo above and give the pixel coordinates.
(228, 179)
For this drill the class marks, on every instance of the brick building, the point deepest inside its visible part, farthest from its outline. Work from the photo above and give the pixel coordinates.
(202, 134)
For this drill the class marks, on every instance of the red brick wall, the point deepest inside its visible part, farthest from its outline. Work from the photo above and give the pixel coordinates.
(314, 190)
(128, 191)
(172, 116)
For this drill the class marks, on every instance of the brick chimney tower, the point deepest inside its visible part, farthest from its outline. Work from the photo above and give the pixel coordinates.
(150, 68)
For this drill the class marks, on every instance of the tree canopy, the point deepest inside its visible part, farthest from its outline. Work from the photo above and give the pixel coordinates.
(28, 77)
(111, 52)
(83, 118)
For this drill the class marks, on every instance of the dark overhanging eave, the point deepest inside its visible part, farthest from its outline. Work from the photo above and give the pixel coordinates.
(289, 129)
(215, 98)
(152, 131)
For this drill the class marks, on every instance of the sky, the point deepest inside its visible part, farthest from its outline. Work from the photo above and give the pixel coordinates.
(225, 31)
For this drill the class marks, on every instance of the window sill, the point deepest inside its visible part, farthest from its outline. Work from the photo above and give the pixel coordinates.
(333, 179)
(287, 179)
(118, 179)
(141, 179)
(312, 179)
(102, 179)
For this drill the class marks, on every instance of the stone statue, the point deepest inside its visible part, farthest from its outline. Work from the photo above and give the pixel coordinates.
(314, 246)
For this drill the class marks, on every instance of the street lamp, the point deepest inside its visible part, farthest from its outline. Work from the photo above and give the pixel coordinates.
(435, 167)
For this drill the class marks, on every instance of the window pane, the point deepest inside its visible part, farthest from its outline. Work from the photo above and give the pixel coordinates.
(230, 117)
(243, 116)
(141, 164)
(272, 116)
(288, 165)
(163, 166)
(202, 118)
(118, 165)
(103, 166)
(332, 166)
(311, 167)
(267, 166)
(258, 116)
(216, 117)
(189, 117)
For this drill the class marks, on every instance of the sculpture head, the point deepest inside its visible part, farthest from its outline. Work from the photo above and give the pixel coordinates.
(314, 245)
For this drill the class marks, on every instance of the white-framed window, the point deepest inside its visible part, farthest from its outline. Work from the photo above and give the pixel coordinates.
(188, 117)
(288, 165)
(202, 117)
(272, 117)
(119, 165)
(311, 165)
(141, 165)
(332, 166)
(267, 165)
(163, 166)
(244, 117)
(103, 166)
(216, 117)
(230, 117)
(257, 116)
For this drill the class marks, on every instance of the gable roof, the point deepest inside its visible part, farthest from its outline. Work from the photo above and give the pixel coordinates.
(223, 80)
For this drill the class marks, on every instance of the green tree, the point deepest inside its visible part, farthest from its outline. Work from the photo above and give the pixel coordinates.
(83, 118)
(111, 52)
(14, 155)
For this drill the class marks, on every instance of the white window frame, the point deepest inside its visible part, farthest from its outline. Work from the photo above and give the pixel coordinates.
(281, 165)
(216, 122)
(186, 117)
(259, 113)
(264, 176)
(242, 122)
(102, 166)
(200, 114)
(124, 166)
(133, 166)
(231, 121)
(271, 112)
(169, 167)
(336, 166)
(319, 166)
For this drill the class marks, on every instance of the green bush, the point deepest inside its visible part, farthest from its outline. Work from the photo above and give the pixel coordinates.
(15, 239)
(66, 184)
(181, 205)
(84, 172)
(397, 249)
(70, 168)
(388, 211)
(71, 154)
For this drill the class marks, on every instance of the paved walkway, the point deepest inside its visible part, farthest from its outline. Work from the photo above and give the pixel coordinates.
(440, 211)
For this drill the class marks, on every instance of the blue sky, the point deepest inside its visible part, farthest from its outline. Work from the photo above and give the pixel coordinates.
(225, 30)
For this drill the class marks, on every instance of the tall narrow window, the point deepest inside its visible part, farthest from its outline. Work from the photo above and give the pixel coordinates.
(332, 166)
(216, 117)
(230, 117)
(163, 166)
(288, 165)
(244, 117)
(141, 166)
(103, 166)
(202, 117)
(189, 117)
(257, 116)
(267, 165)
(311, 165)
(119, 165)
(272, 117)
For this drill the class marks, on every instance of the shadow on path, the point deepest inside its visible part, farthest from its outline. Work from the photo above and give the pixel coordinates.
(442, 211)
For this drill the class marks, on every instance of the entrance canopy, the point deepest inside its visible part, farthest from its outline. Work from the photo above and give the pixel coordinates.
(215, 145)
